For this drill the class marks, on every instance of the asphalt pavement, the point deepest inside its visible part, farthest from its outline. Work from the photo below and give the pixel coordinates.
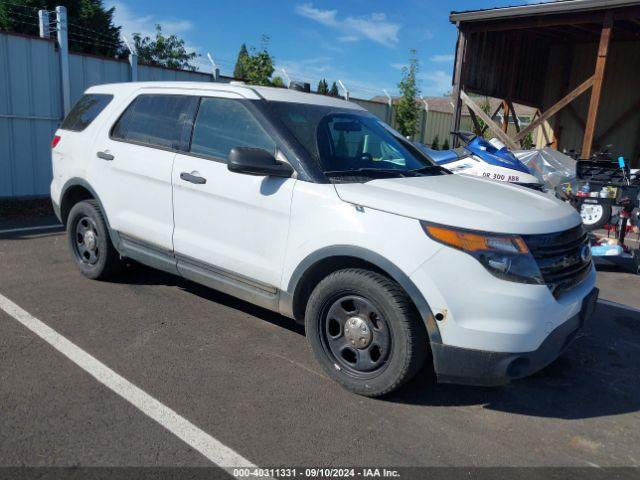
(247, 378)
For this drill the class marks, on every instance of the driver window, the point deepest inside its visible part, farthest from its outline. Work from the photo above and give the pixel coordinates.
(223, 124)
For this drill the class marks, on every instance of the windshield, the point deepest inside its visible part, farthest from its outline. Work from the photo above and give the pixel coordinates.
(349, 142)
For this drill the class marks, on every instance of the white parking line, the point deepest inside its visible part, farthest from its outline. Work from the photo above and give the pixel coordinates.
(201, 441)
(30, 229)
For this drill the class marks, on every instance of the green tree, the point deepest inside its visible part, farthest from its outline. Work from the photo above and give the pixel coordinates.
(278, 82)
(445, 144)
(527, 142)
(165, 51)
(323, 87)
(485, 106)
(240, 70)
(91, 28)
(408, 109)
(435, 145)
(333, 91)
(255, 66)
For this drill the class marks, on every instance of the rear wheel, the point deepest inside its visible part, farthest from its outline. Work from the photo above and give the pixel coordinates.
(365, 332)
(89, 241)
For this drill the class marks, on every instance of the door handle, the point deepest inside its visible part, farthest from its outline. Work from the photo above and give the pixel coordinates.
(188, 177)
(105, 156)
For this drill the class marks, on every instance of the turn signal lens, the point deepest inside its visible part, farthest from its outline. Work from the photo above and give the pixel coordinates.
(474, 242)
(55, 141)
(504, 256)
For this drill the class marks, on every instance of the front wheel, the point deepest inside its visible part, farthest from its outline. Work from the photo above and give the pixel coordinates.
(365, 332)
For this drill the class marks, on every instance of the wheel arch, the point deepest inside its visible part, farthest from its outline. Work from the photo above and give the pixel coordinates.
(325, 261)
(76, 190)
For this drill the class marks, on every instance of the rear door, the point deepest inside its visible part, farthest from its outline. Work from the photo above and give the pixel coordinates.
(229, 225)
(133, 164)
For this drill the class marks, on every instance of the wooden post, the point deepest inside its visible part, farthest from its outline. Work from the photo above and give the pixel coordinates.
(505, 116)
(598, 76)
(514, 115)
(457, 86)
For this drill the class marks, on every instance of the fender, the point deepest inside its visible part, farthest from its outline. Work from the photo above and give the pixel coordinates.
(79, 182)
(371, 257)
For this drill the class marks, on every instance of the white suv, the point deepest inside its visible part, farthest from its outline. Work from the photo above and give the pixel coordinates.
(310, 206)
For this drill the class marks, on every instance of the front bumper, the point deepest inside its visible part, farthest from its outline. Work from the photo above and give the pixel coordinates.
(478, 367)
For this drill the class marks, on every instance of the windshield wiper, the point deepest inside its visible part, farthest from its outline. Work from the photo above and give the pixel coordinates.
(427, 168)
(384, 172)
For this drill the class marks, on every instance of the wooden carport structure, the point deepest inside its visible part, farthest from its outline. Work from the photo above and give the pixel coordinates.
(576, 61)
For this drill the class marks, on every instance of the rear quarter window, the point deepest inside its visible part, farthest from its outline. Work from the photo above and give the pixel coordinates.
(160, 120)
(85, 111)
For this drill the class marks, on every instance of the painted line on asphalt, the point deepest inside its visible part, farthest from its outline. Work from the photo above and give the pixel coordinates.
(182, 428)
(31, 229)
(618, 305)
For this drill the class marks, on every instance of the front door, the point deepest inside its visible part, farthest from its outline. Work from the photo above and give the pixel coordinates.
(229, 226)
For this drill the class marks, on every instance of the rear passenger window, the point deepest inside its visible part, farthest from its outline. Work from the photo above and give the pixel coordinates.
(157, 120)
(223, 124)
(85, 111)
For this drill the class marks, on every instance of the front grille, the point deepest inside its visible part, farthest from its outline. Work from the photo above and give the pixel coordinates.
(560, 257)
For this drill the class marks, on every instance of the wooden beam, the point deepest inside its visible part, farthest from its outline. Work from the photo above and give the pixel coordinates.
(484, 129)
(544, 129)
(493, 126)
(457, 85)
(533, 22)
(505, 116)
(514, 115)
(594, 104)
(559, 105)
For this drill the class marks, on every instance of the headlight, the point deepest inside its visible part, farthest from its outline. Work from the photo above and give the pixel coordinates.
(505, 256)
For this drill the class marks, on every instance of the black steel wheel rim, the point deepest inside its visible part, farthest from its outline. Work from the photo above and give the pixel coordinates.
(355, 335)
(86, 240)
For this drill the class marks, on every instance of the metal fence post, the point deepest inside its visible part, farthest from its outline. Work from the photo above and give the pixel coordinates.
(133, 60)
(63, 44)
(344, 89)
(389, 106)
(425, 119)
(215, 71)
(43, 24)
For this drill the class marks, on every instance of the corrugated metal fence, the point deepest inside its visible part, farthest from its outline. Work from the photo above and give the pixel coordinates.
(31, 104)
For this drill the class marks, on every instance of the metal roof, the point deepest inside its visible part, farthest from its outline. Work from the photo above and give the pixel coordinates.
(546, 8)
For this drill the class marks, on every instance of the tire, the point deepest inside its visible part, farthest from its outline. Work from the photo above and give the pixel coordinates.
(365, 332)
(90, 243)
(595, 216)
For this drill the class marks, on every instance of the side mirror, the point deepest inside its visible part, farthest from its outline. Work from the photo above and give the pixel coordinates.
(256, 161)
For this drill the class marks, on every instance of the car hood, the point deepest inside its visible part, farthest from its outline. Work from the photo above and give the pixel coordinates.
(464, 201)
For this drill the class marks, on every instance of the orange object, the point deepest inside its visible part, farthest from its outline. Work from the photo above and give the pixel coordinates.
(472, 242)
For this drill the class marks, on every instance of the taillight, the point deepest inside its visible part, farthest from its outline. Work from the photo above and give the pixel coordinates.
(55, 141)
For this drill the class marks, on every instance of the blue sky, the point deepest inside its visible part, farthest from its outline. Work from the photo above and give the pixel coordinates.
(364, 43)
